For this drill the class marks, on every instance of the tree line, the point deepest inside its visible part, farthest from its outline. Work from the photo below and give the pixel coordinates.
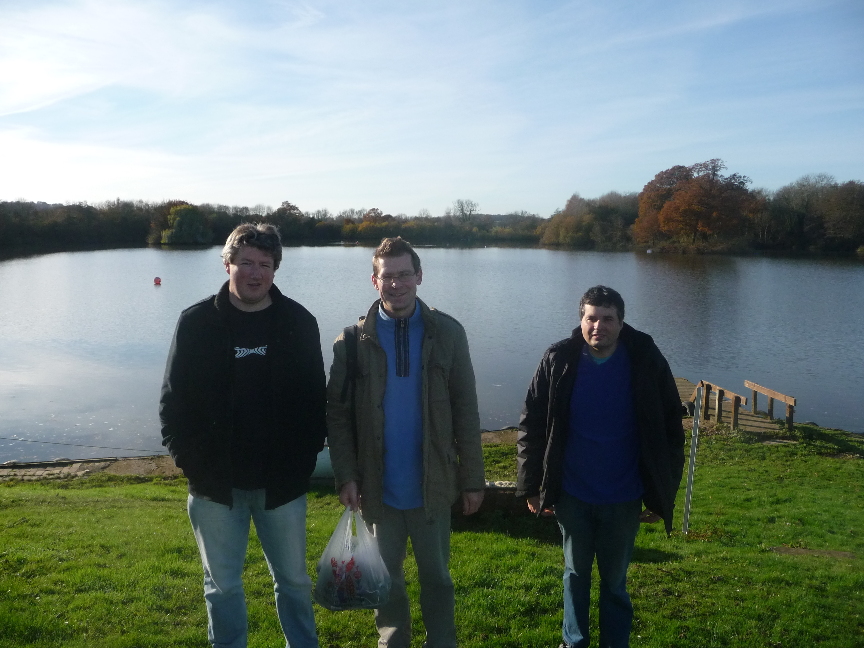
(698, 208)
(38, 226)
(684, 208)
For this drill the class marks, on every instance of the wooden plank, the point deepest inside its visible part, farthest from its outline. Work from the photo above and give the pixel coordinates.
(728, 392)
(789, 400)
(692, 398)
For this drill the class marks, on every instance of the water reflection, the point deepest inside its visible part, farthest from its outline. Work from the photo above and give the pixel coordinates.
(85, 334)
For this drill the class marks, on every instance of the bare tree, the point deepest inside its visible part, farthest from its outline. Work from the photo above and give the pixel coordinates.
(464, 209)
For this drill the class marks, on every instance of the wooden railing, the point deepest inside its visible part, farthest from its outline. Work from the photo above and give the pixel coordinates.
(722, 394)
(772, 396)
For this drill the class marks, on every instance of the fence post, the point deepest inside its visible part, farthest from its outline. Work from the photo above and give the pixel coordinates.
(736, 403)
(694, 440)
(790, 413)
(721, 394)
(770, 408)
(706, 401)
(753, 404)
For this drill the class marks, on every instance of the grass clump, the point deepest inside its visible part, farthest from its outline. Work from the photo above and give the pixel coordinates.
(773, 559)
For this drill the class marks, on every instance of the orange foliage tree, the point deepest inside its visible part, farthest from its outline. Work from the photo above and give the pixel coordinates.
(654, 195)
(684, 203)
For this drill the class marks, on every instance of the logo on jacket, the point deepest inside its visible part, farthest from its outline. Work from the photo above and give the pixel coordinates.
(242, 353)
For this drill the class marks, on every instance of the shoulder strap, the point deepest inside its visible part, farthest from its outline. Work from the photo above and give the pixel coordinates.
(350, 337)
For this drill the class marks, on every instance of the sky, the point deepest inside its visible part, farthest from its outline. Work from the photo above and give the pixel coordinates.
(408, 106)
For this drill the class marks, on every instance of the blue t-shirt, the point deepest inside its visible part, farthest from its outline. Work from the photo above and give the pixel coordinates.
(601, 461)
(402, 341)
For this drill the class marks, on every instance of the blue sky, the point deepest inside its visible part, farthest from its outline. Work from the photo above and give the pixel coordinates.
(515, 104)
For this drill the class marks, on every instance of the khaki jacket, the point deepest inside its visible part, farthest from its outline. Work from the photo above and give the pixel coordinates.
(452, 455)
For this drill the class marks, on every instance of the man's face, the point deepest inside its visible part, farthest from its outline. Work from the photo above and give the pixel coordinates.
(600, 328)
(397, 285)
(250, 276)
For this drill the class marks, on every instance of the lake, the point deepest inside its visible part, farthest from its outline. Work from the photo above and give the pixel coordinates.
(85, 334)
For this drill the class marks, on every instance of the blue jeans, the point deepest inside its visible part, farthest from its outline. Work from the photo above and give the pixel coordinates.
(607, 531)
(222, 534)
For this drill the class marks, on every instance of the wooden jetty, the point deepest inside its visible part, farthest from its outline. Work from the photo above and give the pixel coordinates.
(736, 411)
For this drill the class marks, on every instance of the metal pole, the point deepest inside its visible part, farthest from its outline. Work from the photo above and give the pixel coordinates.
(694, 441)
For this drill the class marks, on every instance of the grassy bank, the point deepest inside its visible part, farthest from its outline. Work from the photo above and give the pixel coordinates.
(773, 558)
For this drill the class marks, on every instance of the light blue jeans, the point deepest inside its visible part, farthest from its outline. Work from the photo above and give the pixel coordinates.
(607, 531)
(222, 534)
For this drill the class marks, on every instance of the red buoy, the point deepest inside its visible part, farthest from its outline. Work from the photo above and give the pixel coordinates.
(157, 281)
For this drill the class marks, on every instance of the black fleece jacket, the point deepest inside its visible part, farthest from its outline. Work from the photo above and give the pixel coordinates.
(545, 422)
(197, 394)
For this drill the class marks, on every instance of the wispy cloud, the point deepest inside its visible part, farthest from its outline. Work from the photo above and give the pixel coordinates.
(515, 104)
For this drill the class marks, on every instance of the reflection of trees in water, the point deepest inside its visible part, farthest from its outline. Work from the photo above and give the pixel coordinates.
(100, 344)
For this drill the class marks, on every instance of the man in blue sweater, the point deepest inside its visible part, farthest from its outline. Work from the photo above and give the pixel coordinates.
(404, 435)
(600, 434)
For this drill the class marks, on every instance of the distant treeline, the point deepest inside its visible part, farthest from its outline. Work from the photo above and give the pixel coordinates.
(697, 208)
(694, 208)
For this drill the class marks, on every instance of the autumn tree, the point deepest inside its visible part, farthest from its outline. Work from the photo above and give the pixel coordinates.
(686, 203)
(654, 195)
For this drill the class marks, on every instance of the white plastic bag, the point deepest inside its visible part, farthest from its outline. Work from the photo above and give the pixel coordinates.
(351, 573)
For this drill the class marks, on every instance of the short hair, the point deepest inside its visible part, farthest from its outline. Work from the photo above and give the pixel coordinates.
(603, 297)
(393, 247)
(263, 236)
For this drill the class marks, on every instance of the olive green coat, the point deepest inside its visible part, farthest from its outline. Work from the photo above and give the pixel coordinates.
(452, 455)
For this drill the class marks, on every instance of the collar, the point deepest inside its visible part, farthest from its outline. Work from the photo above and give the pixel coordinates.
(222, 302)
(413, 319)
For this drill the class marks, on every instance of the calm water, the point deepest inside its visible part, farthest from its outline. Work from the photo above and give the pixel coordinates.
(84, 335)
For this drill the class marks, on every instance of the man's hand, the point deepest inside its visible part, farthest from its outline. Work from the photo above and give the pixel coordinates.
(349, 495)
(471, 501)
(534, 507)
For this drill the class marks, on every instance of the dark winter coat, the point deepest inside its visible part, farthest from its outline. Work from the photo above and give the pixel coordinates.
(196, 404)
(545, 423)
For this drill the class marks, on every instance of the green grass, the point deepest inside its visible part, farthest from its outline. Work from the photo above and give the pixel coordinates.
(110, 561)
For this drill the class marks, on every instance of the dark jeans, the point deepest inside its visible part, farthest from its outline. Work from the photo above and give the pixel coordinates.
(607, 531)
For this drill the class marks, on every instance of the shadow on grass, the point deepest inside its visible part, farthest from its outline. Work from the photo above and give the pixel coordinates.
(831, 443)
(516, 525)
(646, 556)
(504, 521)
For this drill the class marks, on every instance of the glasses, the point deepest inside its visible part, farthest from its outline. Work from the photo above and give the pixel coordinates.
(401, 277)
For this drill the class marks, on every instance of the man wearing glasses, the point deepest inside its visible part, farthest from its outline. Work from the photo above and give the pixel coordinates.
(404, 437)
